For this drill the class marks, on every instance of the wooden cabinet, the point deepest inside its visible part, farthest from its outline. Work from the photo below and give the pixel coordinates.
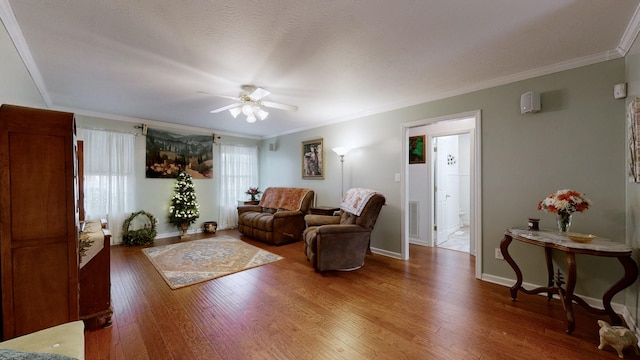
(38, 220)
(80, 183)
(95, 277)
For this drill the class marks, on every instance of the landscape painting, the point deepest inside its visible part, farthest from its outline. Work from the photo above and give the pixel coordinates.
(168, 153)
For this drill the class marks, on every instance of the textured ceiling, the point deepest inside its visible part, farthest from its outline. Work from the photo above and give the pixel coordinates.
(336, 60)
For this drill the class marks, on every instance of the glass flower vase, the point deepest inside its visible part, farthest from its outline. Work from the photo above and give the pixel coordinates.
(564, 221)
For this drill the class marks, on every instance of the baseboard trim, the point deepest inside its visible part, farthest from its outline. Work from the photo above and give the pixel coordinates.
(177, 233)
(390, 254)
(597, 303)
(418, 242)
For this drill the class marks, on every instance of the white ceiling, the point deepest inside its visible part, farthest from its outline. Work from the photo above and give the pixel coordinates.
(335, 59)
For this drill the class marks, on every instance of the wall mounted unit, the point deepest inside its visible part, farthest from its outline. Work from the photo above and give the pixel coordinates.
(620, 91)
(530, 102)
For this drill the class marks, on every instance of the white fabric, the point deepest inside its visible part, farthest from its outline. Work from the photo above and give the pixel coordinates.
(355, 200)
(66, 339)
(238, 172)
(109, 177)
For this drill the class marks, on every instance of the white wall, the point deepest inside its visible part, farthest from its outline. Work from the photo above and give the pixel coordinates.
(16, 85)
(154, 195)
(464, 163)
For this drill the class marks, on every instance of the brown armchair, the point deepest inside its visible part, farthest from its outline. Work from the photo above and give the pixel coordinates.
(340, 242)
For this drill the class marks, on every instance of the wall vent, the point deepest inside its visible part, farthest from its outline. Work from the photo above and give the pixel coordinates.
(414, 219)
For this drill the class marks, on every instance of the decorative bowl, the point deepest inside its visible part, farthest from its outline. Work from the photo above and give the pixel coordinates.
(581, 238)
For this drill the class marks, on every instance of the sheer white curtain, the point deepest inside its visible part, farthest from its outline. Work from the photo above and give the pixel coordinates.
(238, 172)
(109, 177)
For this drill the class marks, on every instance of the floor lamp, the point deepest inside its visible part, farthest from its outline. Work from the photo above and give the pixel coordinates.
(341, 151)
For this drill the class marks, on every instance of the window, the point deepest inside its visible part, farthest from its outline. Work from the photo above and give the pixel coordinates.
(238, 172)
(109, 177)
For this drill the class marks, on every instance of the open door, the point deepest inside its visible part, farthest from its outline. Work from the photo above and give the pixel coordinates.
(452, 190)
(440, 191)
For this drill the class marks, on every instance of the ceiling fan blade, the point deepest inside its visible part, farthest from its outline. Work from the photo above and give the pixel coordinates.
(280, 106)
(258, 94)
(222, 96)
(224, 108)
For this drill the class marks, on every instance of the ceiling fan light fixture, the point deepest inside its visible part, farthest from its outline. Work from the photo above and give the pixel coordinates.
(262, 114)
(235, 112)
(247, 109)
(250, 104)
(259, 93)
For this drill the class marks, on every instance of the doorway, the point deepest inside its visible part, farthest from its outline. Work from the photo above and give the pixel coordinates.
(452, 191)
(422, 206)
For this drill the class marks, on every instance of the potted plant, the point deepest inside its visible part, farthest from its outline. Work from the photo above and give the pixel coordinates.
(253, 192)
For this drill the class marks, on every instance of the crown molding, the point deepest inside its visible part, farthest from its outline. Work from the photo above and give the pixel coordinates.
(630, 33)
(629, 36)
(524, 75)
(11, 24)
(160, 124)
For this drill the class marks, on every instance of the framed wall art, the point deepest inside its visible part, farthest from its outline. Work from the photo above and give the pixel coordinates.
(416, 149)
(313, 159)
(169, 153)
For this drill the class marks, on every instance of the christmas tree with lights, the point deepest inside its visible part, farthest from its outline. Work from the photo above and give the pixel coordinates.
(184, 209)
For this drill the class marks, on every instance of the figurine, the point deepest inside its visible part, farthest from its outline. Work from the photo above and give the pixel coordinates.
(619, 337)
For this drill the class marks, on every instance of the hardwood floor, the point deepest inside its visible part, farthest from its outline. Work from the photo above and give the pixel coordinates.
(430, 307)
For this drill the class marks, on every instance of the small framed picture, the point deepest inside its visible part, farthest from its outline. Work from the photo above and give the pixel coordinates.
(416, 149)
(313, 159)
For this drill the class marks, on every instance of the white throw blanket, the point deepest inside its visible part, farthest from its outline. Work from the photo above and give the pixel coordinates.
(355, 200)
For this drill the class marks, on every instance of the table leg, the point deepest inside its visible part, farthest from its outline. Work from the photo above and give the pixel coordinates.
(630, 276)
(504, 248)
(567, 299)
(547, 255)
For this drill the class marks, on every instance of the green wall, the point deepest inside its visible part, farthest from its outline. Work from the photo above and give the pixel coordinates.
(633, 189)
(577, 141)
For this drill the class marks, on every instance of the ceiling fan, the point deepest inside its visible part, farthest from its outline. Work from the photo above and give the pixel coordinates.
(250, 103)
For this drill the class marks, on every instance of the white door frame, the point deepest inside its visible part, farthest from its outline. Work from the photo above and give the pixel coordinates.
(475, 217)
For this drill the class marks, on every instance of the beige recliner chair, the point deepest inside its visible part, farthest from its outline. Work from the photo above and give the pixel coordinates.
(340, 242)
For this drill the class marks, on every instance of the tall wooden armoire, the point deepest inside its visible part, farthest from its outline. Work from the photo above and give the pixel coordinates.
(38, 219)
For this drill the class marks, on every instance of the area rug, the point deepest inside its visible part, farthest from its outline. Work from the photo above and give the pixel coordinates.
(195, 261)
